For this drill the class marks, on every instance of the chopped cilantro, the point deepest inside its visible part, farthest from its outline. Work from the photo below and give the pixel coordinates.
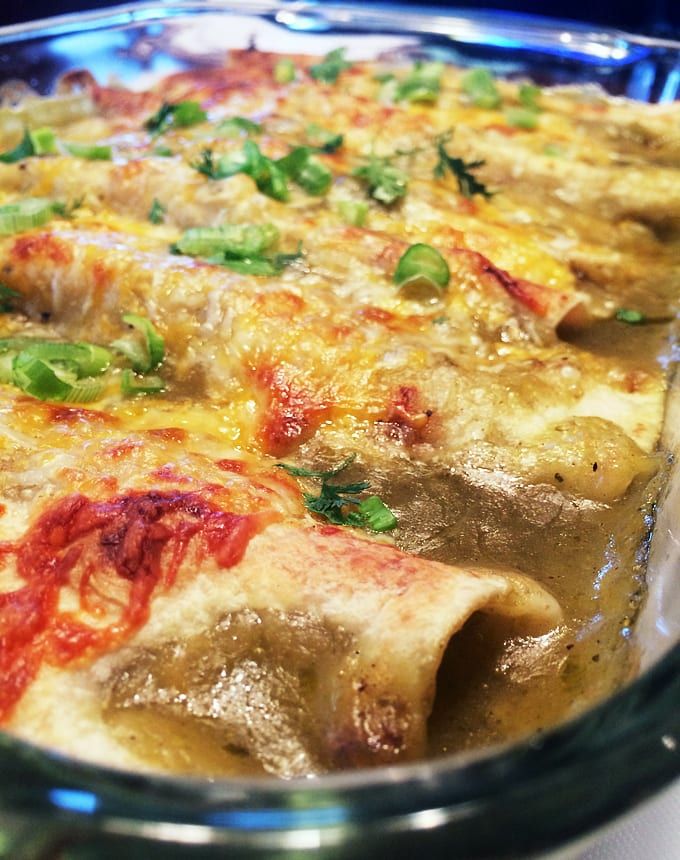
(157, 212)
(468, 184)
(340, 503)
(269, 178)
(8, 299)
(329, 69)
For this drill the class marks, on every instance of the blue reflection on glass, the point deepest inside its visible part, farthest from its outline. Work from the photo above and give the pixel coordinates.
(74, 800)
(277, 819)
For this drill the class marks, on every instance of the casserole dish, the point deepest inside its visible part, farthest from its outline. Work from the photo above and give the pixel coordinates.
(540, 793)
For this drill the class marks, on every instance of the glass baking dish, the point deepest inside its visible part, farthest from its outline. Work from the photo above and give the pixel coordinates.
(531, 798)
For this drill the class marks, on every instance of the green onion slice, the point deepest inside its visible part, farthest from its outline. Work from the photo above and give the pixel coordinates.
(182, 114)
(422, 263)
(52, 381)
(353, 212)
(44, 141)
(236, 125)
(521, 118)
(330, 67)
(528, 97)
(314, 177)
(132, 386)
(422, 84)
(376, 515)
(284, 71)
(92, 152)
(632, 317)
(480, 87)
(25, 214)
(144, 356)
(238, 240)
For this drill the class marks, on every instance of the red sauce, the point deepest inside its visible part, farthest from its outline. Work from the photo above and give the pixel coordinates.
(112, 556)
(34, 245)
(531, 295)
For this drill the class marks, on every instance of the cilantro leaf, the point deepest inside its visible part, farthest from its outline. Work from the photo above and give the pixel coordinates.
(8, 298)
(468, 184)
(24, 149)
(157, 212)
(341, 504)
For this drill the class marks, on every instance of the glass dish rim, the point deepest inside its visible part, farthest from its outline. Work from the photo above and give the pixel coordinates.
(508, 758)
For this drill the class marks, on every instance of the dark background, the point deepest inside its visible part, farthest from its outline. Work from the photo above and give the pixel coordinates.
(658, 17)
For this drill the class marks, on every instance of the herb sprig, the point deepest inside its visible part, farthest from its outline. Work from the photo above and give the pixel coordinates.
(341, 504)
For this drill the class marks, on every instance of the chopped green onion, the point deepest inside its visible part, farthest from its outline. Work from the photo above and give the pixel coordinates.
(25, 214)
(422, 263)
(553, 150)
(528, 97)
(132, 386)
(8, 297)
(24, 149)
(480, 87)
(385, 182)
(521, 118)
(353, 212)
(284, 71)
(157, 212)
(93, 152)
(323, 140)
(236, 125)
(238, 240)
(330, 67)
(182, 114)
(384, 77)
(42, 379)
(376, 515)
(188, 113)
(629, 316)
(314, 177)
(422, 84)
(163, 151)
(44, 141)
(144, 356)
